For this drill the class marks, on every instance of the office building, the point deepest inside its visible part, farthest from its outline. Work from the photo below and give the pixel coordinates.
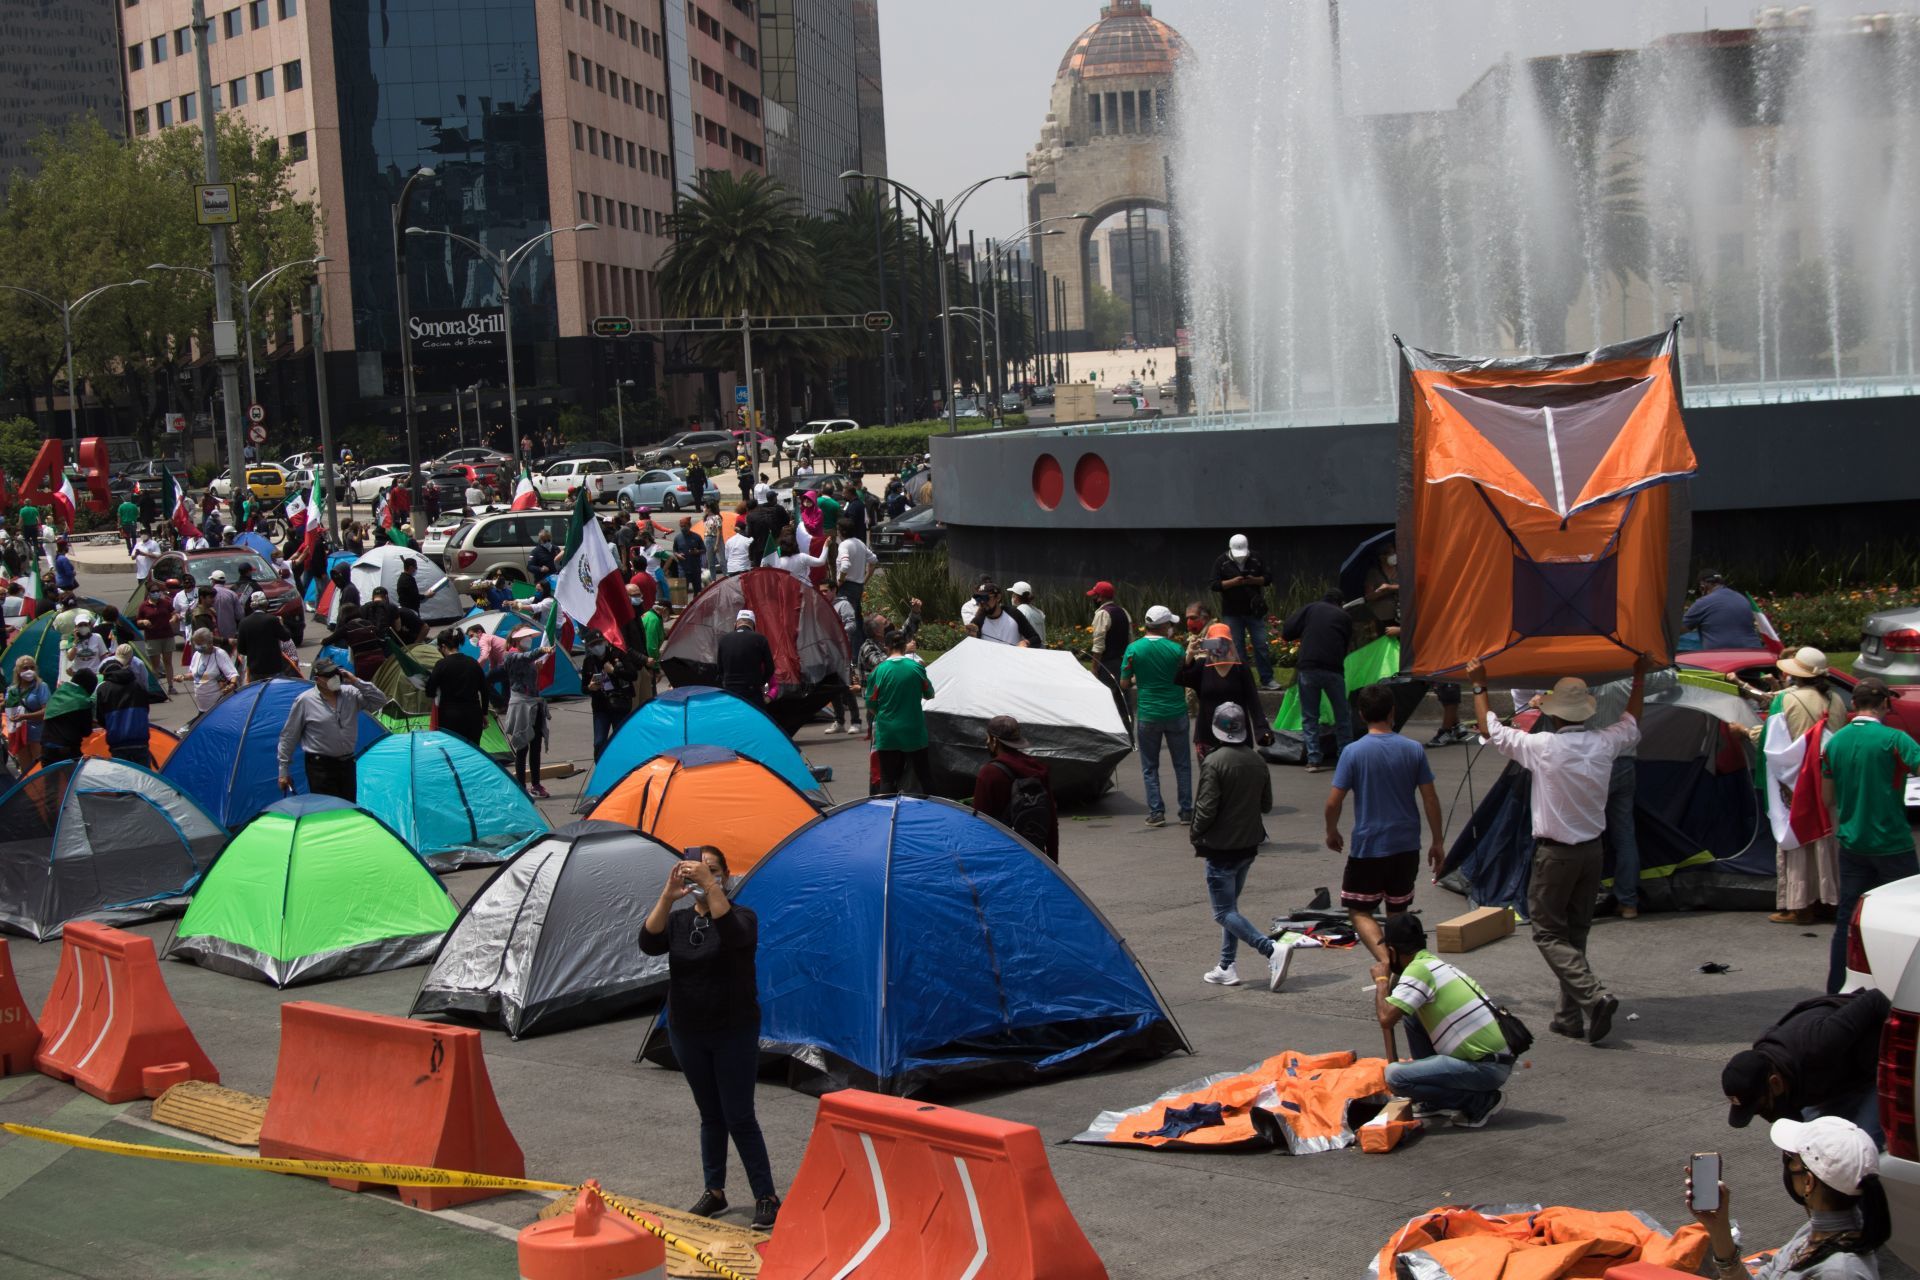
(58, 62)
(810, 71)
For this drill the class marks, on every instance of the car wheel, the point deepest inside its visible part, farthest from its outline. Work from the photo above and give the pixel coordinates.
(625, 504)
(670, 502)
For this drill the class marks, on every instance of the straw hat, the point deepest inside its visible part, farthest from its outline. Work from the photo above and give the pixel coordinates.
(1807, 663)
(1570, 699)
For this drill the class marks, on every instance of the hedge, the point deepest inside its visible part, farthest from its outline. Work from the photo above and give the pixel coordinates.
(900, 441)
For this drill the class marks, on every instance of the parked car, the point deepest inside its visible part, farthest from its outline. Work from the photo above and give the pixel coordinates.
(1043, 395)
(1755, 667)
(660, 490)
(137, 478)
(785, 487)
(499, 541)
(373, 481)
(1170, 387)
(1011, 403)
(1884, 952)
(300, 481)
(757, 445)
(433, 544)
(470, 454)
(281, 596)
(715, 448)
(1121, 395)
(300, 461)
(812, 431)
(268, 480)
(1890, 647)
(596, 475)
(582, 449)
(917, 530)
(969, 407)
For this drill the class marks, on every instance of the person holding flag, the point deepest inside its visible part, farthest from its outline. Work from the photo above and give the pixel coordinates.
(1727, 619)
(525, 496)
(525, 723)
(1807, 860)
(587, 584)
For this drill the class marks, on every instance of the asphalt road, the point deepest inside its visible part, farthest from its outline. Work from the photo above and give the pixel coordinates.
(1605, 1127)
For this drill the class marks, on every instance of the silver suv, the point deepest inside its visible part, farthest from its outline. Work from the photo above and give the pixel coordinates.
(502, 540)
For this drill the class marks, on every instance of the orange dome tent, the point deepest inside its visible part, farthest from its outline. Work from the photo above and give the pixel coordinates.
(160, 742)
(708, 795)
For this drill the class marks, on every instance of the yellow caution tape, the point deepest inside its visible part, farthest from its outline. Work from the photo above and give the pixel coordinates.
(389, 1175)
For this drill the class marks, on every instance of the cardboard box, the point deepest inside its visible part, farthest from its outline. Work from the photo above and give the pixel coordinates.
(1473, 930)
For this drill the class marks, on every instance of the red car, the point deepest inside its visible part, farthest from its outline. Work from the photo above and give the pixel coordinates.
(281, 596)
(1756, 667)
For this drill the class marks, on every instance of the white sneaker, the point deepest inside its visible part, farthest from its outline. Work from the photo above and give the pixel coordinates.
(834, 728)
(1222, 975)
(1277, 965)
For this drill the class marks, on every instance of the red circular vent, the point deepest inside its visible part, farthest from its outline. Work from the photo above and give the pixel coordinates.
(1091, 481)
(1049, 482)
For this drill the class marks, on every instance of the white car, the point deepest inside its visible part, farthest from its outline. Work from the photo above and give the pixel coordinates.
(468, 456)
(441, 531)
(813, 431)
(300, 461)
(598, 476)
(1885, 953)
(373, 481)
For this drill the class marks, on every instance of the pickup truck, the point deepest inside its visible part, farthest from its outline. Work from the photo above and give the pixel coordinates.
(1884, 952)
(601, 479)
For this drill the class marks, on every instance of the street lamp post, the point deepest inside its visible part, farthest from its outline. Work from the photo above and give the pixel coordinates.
(415, 508)
(620, 414)
(993, 259)
(247, 295)
(942, 213)
(505, 267)
(65, 311)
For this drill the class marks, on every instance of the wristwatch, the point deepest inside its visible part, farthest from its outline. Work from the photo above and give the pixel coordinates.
(1479, 689)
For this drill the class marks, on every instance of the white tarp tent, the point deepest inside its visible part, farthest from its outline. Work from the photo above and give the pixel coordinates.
(380, 567)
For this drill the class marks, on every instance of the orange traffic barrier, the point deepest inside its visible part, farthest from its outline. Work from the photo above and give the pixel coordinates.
(366, 1087)
(590, 1244)
(19, 1033)
(893, 1187)
(109, 1016)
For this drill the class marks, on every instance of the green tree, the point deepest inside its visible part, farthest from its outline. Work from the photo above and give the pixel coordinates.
(1107, 318)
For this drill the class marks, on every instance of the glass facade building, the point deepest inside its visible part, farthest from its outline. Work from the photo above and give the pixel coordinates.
(808, 72)
(58, 61)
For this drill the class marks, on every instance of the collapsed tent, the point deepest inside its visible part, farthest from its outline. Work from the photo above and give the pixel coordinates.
(909, 947)
(313, 888)
(380, 567)
(228, 759)
(809, 646)
(1063, 709)
(1298, 1103)
(1539, 1243)
(99, 840)
(1704, 839)
(493, 742)
(700, 717)
(160, 745)
(453, 805)
(1544, 514)
(709, 795)
(559, 677)
(551, 939)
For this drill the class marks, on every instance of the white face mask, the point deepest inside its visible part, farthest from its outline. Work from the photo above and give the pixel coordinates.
(331, 684)
(1393, 562)
(29, 677)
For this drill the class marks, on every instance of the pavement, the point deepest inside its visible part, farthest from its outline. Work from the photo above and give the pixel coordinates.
(1604, 1127)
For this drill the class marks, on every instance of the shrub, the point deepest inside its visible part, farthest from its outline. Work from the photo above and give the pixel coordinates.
(1830, 620)
(924, 577)
(200, 476)
(894, 442)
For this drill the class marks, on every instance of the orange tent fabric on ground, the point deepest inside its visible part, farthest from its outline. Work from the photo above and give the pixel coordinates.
(1302, 1102)
(1544, 516)
(708, 795)
(160, 742)
(1538, 1244)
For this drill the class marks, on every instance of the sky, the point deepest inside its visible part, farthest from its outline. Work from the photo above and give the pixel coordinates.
(967, 84)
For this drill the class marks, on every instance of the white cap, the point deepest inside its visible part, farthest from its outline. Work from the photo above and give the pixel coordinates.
(1237, 545)
(1160, 616)
(1836, 1151)
(219, 575)
(257, 599)
(745, 615)
(1021, 589)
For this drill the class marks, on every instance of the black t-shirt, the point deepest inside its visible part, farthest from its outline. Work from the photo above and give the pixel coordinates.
(259, 643)
(459, 681)
(1241, 601)
(746, 663)
(407, 591)
(1325, 633)
(711, 985)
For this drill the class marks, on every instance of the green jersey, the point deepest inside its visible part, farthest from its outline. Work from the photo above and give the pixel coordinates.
(1867, 763)
(129, 513)
(654, 630)
(1453, 1010)
(30, 520)
(1153, 662)
(895, 692)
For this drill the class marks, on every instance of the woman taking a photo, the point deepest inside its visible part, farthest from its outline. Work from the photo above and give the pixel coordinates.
(714, 1023)
(1831, 1169)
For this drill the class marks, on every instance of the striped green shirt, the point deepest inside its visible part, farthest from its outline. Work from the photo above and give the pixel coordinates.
(1451, 1007)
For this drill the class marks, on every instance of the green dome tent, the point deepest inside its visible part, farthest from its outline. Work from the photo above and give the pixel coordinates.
(313, 888)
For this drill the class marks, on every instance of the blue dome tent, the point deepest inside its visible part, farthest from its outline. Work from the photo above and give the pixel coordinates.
(228, 760)
(912, 947)
(566, 676)
(700, 717)
(447, 799)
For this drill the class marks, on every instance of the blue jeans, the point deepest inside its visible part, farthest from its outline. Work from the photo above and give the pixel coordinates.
(1225, 880)
(1333, 684)
(605, 724)
(1151, 733)
(1440, 1081)
(1862, 1107)
(1860, 872)
(720, 1067)
(1251, 635)
(1620, 833)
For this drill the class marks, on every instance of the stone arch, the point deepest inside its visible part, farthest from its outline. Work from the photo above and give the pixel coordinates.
(1144, 319)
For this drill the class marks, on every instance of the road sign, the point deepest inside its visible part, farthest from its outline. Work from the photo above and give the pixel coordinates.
(257, 434)
(740, 395)
(256, 413)
(878, 321)
(176, 423)
(612, 327)
(216, 204)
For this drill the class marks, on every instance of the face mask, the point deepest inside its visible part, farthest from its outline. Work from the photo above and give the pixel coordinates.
(29, 677)
(596, 649)
(1195, 625)
(331, 684)
(1791, 1181)
(83, 633)
(527, 645)
(1393, 562)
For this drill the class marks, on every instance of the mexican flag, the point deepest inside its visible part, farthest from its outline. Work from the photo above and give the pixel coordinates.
(525, 496)
(65, 506)
(1795, 808)
(390, 520)
(315, 521)
(588, 585)
(179, 510)
(1764, 625)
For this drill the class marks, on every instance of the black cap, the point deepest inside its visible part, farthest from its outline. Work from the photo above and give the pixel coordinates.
(1745, 1077)
(1713, 575)
(1404, 933)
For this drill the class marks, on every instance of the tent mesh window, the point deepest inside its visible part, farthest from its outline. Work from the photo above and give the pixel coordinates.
(1566, 597)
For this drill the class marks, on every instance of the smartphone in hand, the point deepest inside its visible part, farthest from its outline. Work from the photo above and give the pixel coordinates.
(1705, 1175)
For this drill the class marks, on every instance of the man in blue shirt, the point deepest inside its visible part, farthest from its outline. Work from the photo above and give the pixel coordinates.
(1386, 772)
(1723, 616)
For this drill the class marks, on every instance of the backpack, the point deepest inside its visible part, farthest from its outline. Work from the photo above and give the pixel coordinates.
(1029, 809)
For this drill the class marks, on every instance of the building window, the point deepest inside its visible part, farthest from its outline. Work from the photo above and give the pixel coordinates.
(600, 78)
(256, 14)
(620, 25)
(263, 84)
(579, 136)
(291, 77)
(140, 121)
(633, 153)
(230, 23)
(237, 91)
(136, 56)
(583, 204)
(623, 215)
(163, 113)
(573, 65)
(596, 210)
(593, 142)
(626, 90)
(596, 12)
(215, 99)
(182, 42)
(186, 107)
(158, 47)
(297, 146)
(646, 217)
(1146, 111)
(288, 8)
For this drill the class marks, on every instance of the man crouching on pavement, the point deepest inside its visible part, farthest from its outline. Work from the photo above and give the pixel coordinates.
(1460, 1058)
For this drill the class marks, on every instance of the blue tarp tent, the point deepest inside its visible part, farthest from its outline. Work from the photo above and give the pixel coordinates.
(566, 676)
(447, 799)
(910, 947)
(700, 717)
(228, 759)
(1702, 832)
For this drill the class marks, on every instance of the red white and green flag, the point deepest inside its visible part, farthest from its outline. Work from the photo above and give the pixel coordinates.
(525, 496)
(65, 506)
(179, 509)
(588, 585)
(1769, 637)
